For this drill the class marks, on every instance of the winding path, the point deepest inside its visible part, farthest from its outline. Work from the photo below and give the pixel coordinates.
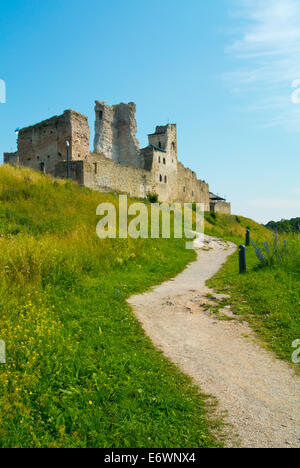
(260, 393)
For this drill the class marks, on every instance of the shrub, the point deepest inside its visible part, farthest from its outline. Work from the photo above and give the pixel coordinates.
(152, 197)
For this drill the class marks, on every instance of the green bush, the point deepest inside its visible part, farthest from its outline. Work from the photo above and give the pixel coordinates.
(152, 197)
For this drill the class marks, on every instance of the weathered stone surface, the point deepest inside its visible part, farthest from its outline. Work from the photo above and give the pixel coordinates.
(227, 311)
(220, 297)
(101, 173)
(11, 158)
(221, 207)
(170, 304)
(189, 188)
(115, 133)
(42, 146)
(196, 299)
(118, 164)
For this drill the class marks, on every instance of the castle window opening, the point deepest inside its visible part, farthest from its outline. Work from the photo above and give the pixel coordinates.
(159, 159)
(165, 179)
(159, 144)
(100, 115)
(95, 168)
(164, 161)
(160, 178)
(42, 167)
(184, 189)
(173, 146)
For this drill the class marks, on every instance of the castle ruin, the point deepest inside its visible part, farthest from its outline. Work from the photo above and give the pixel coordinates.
(117, 162)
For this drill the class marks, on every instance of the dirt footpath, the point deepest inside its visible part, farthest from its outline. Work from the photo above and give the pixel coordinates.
(260, 393)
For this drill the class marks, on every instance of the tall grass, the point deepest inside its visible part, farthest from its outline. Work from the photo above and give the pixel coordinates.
(268, 295)
(80, 371)
(283, 254)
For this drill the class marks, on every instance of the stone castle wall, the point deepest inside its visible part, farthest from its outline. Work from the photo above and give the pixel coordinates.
(11, 158)
(192, 189)
(117, 163)
(163, 145)
(115, 133)
(101, 173)
(42, 146)
(221, 207)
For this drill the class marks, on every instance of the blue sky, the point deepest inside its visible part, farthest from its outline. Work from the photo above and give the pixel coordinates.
(225, 71)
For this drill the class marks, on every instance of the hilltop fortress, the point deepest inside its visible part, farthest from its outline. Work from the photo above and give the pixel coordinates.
(117, 163)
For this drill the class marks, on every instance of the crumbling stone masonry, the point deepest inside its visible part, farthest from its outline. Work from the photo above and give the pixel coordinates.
(117, 163)
(115, 133)
(42, 146)
(11, 158)
(218, 204)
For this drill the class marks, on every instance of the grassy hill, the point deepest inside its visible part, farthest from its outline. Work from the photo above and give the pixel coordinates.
(80, 371)
(268, 295)
(232, 227)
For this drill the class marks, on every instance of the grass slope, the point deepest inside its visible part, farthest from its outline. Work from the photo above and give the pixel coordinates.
(268, 295)
(80, 371)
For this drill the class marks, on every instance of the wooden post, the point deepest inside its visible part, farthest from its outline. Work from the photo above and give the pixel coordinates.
(248, 238)
(242, 259)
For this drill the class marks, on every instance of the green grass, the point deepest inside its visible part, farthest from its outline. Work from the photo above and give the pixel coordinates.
(80, 370)
(268, 295)
(233, 228)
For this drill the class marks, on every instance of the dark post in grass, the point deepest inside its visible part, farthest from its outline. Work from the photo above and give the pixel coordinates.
(68, 159)
(248, 238)
(242, 258)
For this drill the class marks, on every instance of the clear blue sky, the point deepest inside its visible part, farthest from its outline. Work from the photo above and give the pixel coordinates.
(221, 69)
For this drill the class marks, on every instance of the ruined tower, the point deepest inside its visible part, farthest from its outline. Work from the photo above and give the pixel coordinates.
(165, 138)
(161, 157)
(43, 145)
(118, 163)
(115, 133)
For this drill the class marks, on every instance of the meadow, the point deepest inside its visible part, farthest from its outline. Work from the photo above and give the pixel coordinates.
(268, 294)
(80, 371)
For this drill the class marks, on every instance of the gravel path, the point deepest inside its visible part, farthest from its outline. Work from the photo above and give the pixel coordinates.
(260, 393)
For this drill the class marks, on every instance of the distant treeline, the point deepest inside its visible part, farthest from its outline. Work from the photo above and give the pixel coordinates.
(285, 225)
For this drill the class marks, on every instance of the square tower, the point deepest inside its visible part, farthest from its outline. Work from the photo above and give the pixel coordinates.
(165, 138)
(43, 145)
(163, 144)
(115, 133)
